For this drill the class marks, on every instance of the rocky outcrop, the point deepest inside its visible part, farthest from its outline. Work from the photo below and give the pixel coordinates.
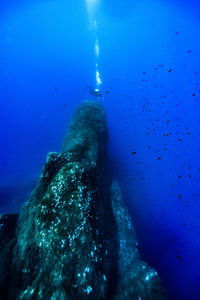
(7, 242)
(74, 237)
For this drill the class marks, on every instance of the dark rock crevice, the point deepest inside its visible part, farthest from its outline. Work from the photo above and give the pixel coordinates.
(7, 242)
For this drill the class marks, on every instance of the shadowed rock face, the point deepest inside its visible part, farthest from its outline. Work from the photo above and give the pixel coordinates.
(74, 237)
(7, 242)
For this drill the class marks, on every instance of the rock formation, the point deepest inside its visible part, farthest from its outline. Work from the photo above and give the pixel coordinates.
(74, 238)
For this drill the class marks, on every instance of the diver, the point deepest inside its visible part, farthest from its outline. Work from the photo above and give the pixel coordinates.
(95, 92)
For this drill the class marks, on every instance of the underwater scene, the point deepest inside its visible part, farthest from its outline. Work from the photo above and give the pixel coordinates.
(100, 149)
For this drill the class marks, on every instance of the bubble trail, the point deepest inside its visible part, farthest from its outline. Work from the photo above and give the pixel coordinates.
(92, 7)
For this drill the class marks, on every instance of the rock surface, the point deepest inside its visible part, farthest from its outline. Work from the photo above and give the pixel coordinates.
(7, 242)
(74, 237)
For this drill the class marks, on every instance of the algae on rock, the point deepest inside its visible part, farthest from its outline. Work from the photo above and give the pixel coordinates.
(74, 237)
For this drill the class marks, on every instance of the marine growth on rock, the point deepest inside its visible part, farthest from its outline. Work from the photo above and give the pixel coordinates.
(74, 238)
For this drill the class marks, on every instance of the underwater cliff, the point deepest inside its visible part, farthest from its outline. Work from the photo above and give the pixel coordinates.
(74, 238)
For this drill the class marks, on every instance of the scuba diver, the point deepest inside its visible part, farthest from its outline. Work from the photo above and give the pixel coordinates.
(95, 92)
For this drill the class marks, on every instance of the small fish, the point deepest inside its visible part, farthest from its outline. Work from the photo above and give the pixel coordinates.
(179, 257)
(180, 197)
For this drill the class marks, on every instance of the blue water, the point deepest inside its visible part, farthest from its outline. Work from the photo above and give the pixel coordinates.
(150, 69)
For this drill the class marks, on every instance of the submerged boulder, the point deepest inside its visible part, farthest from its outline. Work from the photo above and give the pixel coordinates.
(74, 237)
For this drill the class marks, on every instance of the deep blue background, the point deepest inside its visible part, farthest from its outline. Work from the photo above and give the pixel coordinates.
(150, 64)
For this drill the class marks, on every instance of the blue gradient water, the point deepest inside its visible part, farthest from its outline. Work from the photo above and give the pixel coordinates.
(150, 70)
